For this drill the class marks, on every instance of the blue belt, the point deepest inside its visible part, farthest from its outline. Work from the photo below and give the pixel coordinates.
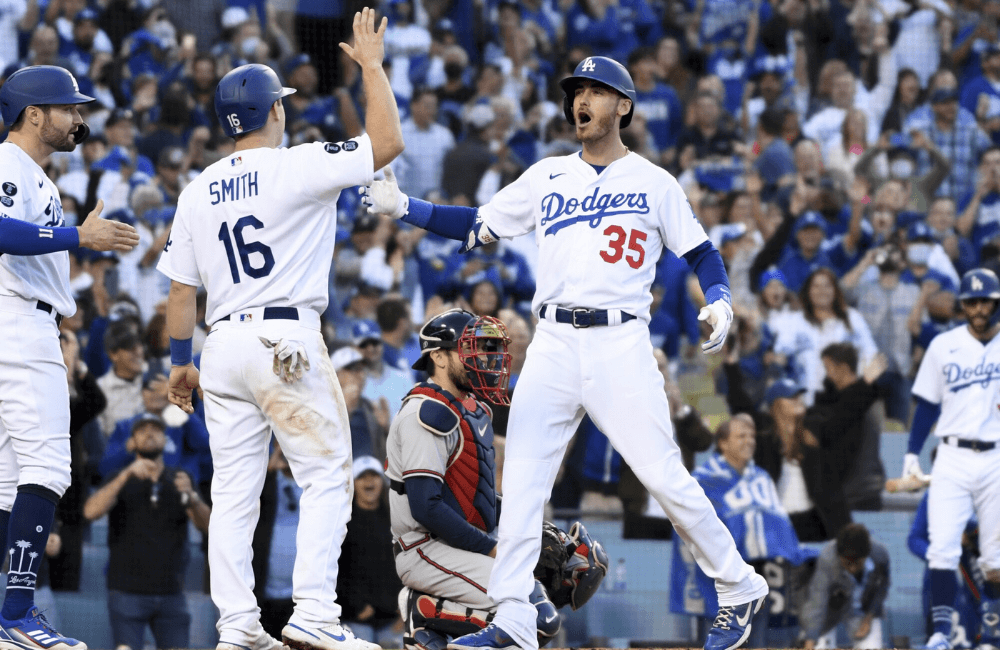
(964, 443)
(581, 318)
(276, 313)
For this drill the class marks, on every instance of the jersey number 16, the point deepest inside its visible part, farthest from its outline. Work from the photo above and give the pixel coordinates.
(245, 249)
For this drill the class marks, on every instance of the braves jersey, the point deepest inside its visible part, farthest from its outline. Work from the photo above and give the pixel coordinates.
(26, 193)
(599, 235)
(962, 374)
(257, 228)
(413, 450)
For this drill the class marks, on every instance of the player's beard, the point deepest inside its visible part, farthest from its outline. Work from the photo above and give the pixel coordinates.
(458, 376)
(599, 128)
(55, 138)
(979, 324)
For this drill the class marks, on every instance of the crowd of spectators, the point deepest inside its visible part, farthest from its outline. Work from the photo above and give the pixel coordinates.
(843, 155)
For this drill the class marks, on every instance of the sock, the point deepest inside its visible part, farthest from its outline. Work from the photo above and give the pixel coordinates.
(4, 523)
(30, 521)
(944, 588)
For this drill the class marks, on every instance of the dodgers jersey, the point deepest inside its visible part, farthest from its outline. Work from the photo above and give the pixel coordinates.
(257, 229)
(26, 193)
(962, 374)
(599, 235)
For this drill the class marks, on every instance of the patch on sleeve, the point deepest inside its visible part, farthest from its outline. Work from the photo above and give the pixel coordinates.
(436, 417)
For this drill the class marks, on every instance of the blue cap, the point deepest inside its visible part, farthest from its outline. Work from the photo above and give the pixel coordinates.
(772, 274)
(782, 388)
(732, 232)
(87, 14)
(944, 95)
(294, 63)
(919, 231)
(365, 330)
(811, 219)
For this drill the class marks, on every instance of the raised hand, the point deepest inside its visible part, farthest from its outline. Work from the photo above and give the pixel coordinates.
(102, 235)
(369, 45)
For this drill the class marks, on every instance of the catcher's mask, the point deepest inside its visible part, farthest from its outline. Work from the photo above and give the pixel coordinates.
(482, 349)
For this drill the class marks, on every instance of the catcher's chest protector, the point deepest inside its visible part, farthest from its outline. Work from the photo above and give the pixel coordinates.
(471, 475)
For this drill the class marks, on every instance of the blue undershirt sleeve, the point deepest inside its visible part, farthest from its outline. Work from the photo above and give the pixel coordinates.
(924, 417)
(706, 263)
(451, 221)
(428, 507)
(22, 238)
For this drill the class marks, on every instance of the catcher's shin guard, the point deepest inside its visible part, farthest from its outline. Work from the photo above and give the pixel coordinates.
(423, 611)
(547, 621)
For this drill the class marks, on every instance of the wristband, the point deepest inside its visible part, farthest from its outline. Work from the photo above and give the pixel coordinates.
(718, 292)
(418, 212)
(180, 351)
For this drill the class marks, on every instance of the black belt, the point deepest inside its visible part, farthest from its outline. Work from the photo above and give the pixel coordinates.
(48, 309)
(974, 445)
(273, 313)
(397, 486)
(581, 318)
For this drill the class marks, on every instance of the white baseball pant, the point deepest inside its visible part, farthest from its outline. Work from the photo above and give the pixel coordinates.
(610, 373)
(963, 480)
(34, 402)
(244, 402)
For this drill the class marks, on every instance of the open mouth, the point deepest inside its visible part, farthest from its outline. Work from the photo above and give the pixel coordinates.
(583, 118)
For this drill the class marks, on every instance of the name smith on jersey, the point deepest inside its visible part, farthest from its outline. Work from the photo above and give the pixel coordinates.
(233, 189)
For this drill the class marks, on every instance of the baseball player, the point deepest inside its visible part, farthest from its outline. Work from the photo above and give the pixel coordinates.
(257, 230)
(443, 502)
(955, 388)
(601, 218)
(39, 103)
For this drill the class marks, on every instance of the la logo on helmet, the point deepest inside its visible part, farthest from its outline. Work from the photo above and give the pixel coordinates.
(977, 284)
(588, 65)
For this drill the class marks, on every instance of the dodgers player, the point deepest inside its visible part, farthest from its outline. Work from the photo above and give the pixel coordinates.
(257, 230)
(39, 103)
(601, 219)
(955, 387)
(443, 502)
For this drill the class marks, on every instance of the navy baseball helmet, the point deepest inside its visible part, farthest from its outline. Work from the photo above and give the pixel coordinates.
(979, 283)
(244, 97)
(39, 85)
(603, 70)
(442, 333)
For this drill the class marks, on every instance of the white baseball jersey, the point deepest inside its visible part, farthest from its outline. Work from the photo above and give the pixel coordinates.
(26, 193)
(599, 235)
(257, 229)
(962, 374)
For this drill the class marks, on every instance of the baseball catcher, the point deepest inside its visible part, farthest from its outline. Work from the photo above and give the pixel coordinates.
(444, 505)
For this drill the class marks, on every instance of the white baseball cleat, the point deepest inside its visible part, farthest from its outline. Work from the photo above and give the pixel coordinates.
(264, 642)
(328, 637)
(938, 641)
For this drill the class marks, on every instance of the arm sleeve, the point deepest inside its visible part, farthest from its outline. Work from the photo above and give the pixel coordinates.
(919, 539)
(771, 253)
(115, 457)
(22, 238)
(813, 613)
(924, 417)
(707, 264)
(453, 222)
(428, 507)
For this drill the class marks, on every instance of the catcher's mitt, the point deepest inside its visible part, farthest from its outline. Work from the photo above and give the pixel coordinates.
(553, 557)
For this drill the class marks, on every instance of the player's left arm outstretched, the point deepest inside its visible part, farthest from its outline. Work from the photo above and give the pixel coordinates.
(466, 225)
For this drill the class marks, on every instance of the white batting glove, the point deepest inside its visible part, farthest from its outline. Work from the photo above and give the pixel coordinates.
(384, 197)
(719, 315)
(911, 466)
(290, 360)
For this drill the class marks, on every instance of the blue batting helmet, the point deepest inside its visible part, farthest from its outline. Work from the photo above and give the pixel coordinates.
(603, 70)
(244, 97)
(979, 283)
(38, 85)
